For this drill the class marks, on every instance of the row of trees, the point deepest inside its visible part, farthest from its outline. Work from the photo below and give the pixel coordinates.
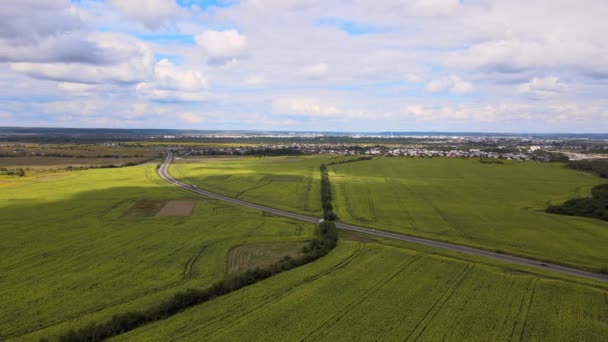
(326, 198)
(595, 206)
(598, 166)
(12, 172)
(107, 166)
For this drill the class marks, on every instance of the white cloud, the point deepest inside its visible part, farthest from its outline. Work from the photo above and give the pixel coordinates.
(80, 89)
(222, 46)
(311, 108)
(171, 82)
(544, 86)
(134, 63)
(255, 80)
(452, 84)
(152, 13)
(190, 118)
(314, 71)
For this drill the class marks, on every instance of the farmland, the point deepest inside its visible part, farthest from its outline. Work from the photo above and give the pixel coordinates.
(72, 251)
(290, 183)
(79, 247)
(493, 206)
(372, 291)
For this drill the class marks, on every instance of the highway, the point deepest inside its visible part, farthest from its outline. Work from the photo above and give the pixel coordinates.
(164, 174)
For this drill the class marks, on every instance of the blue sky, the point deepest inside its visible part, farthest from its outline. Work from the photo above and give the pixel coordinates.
(433, 65)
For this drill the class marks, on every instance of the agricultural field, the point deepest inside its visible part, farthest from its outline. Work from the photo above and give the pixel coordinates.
(372, 291)
(290, 183)
(499, 207)
(493, 206)
(78, 247)
(37, 157)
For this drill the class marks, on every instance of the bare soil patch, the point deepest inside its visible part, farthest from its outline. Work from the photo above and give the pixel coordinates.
(177, 208)
(148, 208)
(144, 208)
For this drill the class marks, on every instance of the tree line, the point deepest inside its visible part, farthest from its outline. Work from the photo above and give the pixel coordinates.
(595, 206)
(12, 172)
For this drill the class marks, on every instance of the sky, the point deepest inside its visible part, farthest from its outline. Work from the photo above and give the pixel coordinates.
(298, 65)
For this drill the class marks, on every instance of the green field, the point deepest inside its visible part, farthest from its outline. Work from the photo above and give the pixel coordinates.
(493, 206)
(387, 293)
(71, 251)
(290, 183)
(80, 247)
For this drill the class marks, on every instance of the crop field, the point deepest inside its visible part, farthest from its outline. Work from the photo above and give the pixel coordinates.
(492, 206)
(371, 291)
(290, 183)
(71, 252)
(249, 256)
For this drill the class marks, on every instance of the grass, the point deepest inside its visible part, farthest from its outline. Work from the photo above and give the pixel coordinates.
(250, 256)
(496, 207)
(69, 255)
(499, 207)
(372, 291)
(290, 183)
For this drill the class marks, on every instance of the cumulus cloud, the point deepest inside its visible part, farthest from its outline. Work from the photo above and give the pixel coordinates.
(152, 13)
(222, 46)
(255, 80)
(314, 72)
(80, 89)
(171, 82)
(134, 63)
(543, 86)
(451, 84)
(190, 118)
(48, 32)
(311, 108)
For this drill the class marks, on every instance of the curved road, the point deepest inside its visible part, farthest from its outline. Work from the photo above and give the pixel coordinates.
(164, 174)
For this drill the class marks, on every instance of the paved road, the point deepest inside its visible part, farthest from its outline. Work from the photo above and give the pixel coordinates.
(164, 174)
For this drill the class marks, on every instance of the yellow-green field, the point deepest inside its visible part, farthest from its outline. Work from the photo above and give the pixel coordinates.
(71, 253)
(375, 292)
(493, 206)
(290, 183)
(79, 247)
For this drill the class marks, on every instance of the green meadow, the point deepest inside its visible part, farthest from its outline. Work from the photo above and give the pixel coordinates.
(289, 183)
(72, 251)
(499, 207)
(493, 206)
(79, 247)
(370, 291)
